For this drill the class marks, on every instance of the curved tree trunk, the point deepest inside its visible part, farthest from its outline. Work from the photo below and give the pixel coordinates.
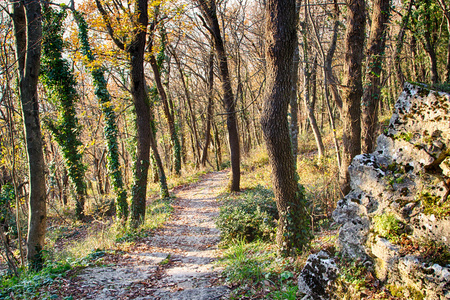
(28, 34)
(352, 88)
(372, 90)
(210, 14)
(281, 36)
(327, 77)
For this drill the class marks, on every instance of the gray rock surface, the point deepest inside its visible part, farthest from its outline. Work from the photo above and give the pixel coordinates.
(319, 271)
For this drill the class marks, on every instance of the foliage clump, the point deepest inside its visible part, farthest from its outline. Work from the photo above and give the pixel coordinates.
(433, 205)
(248, 216)
(401, 292)
(387, 226)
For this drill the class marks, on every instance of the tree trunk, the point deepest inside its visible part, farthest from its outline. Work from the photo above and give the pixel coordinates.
(310, 108)
(218, 147)
(209, 108)
(372, 92)
(352, 88)
(430, 49)
(281, 35)
(327, 75)
(446, 14)
(169, 114)
(399, 45)
(59, 83)
(293, 102)
(144, 119)
(210, 14)
(196, 144)
(28, 34)
(143, 129)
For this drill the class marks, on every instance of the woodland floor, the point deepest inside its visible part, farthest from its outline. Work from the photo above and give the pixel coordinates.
(176, 261)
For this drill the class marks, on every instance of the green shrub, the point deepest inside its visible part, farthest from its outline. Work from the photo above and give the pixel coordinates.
(248, 216)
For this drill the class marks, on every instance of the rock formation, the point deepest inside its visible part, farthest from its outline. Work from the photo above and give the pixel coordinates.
(396, 218)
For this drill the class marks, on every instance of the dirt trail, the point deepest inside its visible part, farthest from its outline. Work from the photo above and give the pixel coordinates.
(177, 262)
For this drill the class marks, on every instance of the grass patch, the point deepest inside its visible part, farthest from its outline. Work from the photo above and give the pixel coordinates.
(258, 272)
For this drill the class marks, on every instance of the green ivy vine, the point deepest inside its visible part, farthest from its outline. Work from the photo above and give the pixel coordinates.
(59, 83)
(110, 130)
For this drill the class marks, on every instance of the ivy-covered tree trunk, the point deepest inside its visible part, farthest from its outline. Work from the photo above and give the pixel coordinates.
(60, 84)
(293, 231)
(28, 33)
(110, 130)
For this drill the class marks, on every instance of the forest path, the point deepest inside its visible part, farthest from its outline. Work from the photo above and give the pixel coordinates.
(176, 262)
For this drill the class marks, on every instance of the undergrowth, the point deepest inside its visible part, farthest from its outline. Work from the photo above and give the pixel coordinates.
(256, 271)
(27, 284)
(248, 215)
(84, 247)
(248, 221)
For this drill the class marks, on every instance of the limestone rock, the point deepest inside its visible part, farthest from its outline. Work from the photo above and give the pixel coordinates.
(318, 273)
(403, 188)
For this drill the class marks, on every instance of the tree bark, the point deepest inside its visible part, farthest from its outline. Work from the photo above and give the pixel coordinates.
(430, 49)
(281, 35)
(352, 88)
(28, 34)
(329, 77)
(210, 14)
(110, 130)
(372, 92)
